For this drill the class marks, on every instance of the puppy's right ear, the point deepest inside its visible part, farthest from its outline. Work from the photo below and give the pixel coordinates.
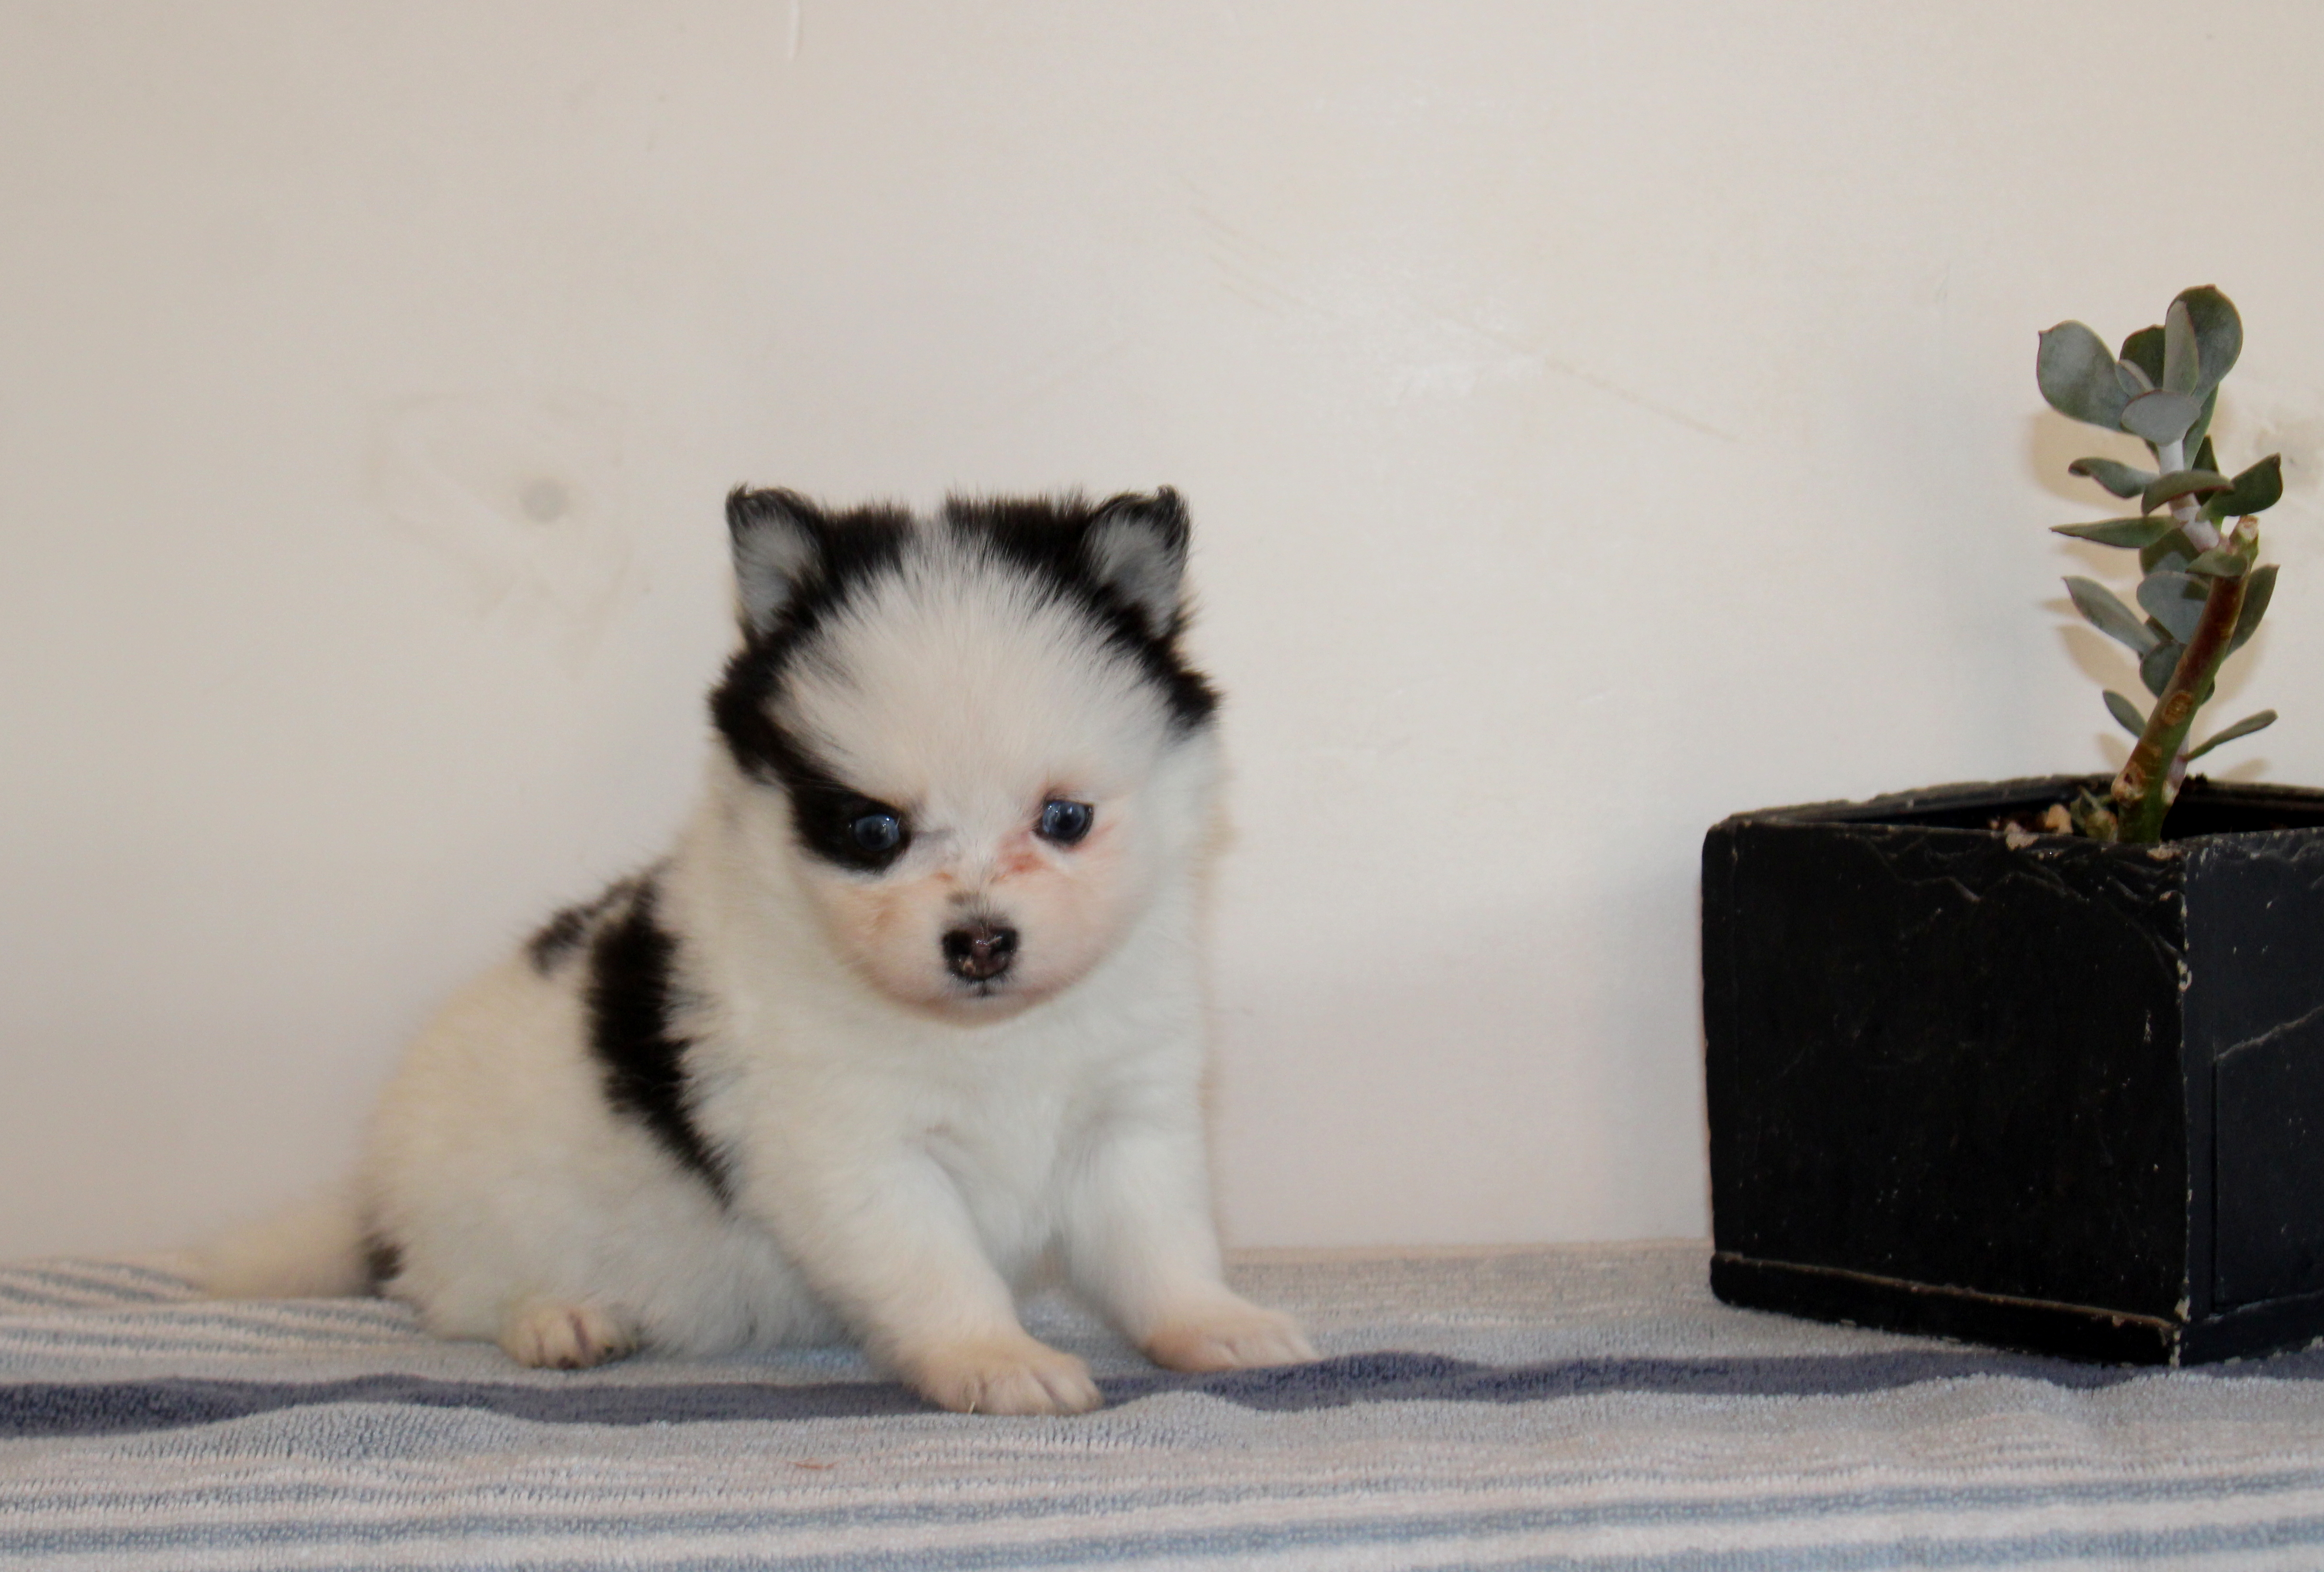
(778, 539)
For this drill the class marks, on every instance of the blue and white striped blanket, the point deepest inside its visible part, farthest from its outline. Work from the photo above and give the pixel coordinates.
(1586, 1406)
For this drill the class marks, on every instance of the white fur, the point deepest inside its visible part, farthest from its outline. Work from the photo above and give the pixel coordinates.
(906, 1151)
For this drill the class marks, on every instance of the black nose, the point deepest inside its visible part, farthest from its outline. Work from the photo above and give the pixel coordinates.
(980, 952)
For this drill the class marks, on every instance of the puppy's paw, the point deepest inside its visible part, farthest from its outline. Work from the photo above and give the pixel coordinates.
(1014, 1375)
(548, 1334)
(1233, 1335)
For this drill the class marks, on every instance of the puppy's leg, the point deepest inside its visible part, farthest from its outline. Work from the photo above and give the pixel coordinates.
(1138, 1240)
(903, 1266)
(551, 1335)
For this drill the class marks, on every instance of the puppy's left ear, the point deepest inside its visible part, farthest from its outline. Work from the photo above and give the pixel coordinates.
(1137, 547)
(778, 546)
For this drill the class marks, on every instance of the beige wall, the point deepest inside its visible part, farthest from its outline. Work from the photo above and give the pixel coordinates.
(1597, 418)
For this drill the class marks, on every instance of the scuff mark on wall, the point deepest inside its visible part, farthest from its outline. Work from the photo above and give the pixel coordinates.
(1589, 379)
(1383, 308)
(526, 498)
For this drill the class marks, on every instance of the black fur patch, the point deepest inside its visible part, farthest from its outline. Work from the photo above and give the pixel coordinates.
(852, 549)
(558, 938)
(1044, 538)
(631, 999)
(1049, 537)
(562, 935)
(825, 810)
(382, 1260)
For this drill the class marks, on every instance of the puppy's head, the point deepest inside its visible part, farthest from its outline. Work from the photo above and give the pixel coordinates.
(978, 729)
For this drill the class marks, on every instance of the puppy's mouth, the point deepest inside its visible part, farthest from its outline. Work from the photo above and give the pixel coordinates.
(971, 1006)
(977, 990)
(974, 999)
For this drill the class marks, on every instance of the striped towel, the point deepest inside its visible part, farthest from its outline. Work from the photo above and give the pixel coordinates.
(1580, 1405)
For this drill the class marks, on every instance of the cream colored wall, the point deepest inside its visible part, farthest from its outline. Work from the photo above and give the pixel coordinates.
(1598, 418)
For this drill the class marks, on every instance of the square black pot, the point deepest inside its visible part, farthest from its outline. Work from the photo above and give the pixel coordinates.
(2060, 1095)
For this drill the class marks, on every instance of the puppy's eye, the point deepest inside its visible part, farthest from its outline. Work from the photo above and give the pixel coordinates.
(1064, 822)
(877, 833)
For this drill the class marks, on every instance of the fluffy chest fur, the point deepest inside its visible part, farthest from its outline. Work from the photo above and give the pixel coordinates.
(795, 1078)
(795, 1068)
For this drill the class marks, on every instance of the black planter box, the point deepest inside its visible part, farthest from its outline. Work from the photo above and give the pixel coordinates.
(2059, 1095)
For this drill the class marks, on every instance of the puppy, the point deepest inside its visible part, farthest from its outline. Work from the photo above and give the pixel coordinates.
(913, 1008)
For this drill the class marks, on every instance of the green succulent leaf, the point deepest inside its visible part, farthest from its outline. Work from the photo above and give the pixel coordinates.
(2121, 479)
(2257, 592)
(2076, 377)
(2242, 728)
(2139, 531)
(2221, 562)
(2126, 713)
(2159, 417)
(2256, 490)
(2181, 483)
(2171, 552)
(2144, 349)
(2205, 458)
(2175, 600)
(2196, 434)
(2105, 612)
(2182, 365)
(2160, 662)
(2132, 379)
(2218, 333)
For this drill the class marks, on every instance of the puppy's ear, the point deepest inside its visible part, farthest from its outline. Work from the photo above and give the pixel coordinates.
(779, 545)
(1136, 548)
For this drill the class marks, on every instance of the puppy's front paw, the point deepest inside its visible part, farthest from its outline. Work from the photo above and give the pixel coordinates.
(1015, 1375)
(1232, 1336)
(547, 1334)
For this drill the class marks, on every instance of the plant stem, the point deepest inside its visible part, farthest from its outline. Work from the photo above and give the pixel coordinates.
(2187, 515)
(2186, 511)
(2149, 780)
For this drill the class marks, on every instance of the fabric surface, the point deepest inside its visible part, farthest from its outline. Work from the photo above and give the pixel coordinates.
(1586, 1406)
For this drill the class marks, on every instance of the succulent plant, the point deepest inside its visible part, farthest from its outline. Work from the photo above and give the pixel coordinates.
(2203, 590)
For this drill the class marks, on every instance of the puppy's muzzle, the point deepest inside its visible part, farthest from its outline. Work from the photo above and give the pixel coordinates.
(980, 951)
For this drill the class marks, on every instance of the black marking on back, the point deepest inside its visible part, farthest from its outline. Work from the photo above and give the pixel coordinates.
(561, 935)
(557, 939)
(632, 995)
(382, 1260)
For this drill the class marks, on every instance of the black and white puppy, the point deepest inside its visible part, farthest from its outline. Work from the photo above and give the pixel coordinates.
(914, 1005)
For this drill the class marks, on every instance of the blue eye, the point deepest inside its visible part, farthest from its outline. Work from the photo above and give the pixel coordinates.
(1064, 822)
(877, 832)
